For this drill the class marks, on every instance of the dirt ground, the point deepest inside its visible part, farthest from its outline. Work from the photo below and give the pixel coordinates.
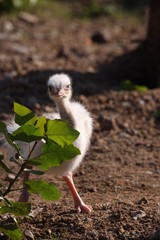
(120, 176)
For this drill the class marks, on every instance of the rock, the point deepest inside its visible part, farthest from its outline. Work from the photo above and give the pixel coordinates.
(143, 201)
(35, 212)
(92, 189)
(28, 18)
(149, 172)
(158, 171)
(10, 177)
(29, 235)
(19, 48)
(138, 214)
(8, 26)
(121, 230)
(98, 37)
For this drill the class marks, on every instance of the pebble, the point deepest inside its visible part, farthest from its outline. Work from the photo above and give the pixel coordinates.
(29, 235)
(8, 26)
(36, 211)
(143, 200)
(121, 230)
(10, 177)
(138, 214)
(149, 172)
(92, 189)
(19, 48)
(28, 18)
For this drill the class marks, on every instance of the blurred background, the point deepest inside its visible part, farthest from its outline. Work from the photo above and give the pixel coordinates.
(103, 44)
(109, 48)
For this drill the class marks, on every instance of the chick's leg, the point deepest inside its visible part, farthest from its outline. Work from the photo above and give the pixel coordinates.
(79, 204)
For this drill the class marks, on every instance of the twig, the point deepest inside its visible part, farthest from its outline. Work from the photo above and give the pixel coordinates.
(19, 173)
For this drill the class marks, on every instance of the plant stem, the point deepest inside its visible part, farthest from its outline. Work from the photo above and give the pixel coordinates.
(20, 171)
(14, 180)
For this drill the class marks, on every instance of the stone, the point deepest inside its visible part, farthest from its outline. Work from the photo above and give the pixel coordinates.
(29, 235)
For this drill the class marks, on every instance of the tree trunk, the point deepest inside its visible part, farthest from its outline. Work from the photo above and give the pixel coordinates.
(153, 44)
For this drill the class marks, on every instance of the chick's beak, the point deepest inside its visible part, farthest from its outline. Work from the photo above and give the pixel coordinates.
(60, 93)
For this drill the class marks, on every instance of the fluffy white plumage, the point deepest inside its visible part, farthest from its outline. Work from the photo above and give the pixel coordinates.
(74, 112)
(60, 91)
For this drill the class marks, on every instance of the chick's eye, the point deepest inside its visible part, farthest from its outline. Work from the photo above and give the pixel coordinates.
(67, 86)
(50, 88)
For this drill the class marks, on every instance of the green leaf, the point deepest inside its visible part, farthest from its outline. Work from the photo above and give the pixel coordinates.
(33, 162)
(5, 167)
(36, 172)
(27, 133)
(16, 208)
(4, 131)
(61, 132)
(47, 190)
(12, 231)
(128, 85)
(7, 201)
(23, 115)
(141, 88)
(54, 155)
(41, 124)
(3, 128)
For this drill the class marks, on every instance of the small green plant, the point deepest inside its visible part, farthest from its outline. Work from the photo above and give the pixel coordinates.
(128, 85)
(57, 136)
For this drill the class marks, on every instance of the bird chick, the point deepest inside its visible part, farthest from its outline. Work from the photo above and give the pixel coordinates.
(60, 91)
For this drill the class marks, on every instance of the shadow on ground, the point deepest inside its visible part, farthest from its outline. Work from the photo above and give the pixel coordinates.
(31, 88)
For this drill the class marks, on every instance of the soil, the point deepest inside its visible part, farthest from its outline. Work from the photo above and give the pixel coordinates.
(120, 175)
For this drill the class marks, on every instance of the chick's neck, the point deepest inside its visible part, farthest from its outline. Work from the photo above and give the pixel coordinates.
(65, 111)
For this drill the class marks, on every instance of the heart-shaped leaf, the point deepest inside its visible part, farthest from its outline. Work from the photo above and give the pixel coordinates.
(12, 231)
(41, 124)
(23, 115)
(27, 133)
(32, 171)
(4, 131)
(5, 167)
(16, 208)
(61, 132)
(47, 190)
(54, 155)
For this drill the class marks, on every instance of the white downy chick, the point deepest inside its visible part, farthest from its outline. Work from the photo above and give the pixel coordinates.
(60, 91)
